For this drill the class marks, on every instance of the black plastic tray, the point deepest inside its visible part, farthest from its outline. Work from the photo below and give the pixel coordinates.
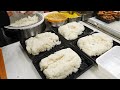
(93, 57)
(33, 57)
(86, 64)
(87, 31)
(104, 20)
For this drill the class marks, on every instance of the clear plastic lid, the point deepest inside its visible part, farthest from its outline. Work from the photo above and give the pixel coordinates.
(110, 61)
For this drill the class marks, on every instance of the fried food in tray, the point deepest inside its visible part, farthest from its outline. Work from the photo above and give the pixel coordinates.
(109, 15)
(106, 16)
(104, 12)
(116, 15)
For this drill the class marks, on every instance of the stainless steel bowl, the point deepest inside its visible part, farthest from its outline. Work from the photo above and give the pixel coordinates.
(75, 19)
(57, 24)
(28, 31)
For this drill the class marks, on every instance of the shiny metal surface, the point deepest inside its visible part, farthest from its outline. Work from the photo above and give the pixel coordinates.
(14, 18)
(75, 19)
(58, 24)
(27, 33)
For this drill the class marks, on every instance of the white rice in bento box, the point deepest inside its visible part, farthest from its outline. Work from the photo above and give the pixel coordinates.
(60, 64)
(71, 30)
(42, 42)
(95, 44)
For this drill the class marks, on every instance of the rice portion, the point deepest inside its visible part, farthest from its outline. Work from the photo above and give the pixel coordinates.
(25, 21)
(71, 30)
(60, 64)
(42, 42)
(95, 44)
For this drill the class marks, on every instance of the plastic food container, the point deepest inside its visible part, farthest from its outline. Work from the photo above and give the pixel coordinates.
(109, 63)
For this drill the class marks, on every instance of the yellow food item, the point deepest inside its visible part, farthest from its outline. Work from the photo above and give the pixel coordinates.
(74, 15)
(56, 17)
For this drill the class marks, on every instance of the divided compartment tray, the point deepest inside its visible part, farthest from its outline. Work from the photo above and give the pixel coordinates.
(74, 44)
(86, 64)
(33, 57)
(87, 31)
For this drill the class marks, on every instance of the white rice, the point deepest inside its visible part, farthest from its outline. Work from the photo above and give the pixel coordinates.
(71, 31)
(25, 21)
(96, 44)
(60, 64)
(42, 42)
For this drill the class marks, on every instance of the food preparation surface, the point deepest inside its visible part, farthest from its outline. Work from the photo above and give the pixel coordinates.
(19, 66)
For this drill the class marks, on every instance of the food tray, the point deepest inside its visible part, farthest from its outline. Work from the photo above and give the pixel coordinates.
(87, 31)
(86, 64)
(32, 57)
(93, 57)
(104, 20)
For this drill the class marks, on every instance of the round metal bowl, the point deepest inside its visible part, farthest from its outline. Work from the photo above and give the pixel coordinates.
(28, 31)
(74, 19)
(56, 24)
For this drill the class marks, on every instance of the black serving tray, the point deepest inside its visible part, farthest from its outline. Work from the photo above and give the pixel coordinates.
(86, 64)
(74, 44)
(33, 57)
(87, 31)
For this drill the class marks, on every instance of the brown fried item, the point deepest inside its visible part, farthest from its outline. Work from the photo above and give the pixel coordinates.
(10, 13)
(108, 17)
(101, 13)
(116, 14)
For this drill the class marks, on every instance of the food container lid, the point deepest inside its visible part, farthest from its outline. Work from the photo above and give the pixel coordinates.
(110, 61)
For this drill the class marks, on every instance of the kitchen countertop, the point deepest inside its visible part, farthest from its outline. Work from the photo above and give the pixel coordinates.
(19, 66)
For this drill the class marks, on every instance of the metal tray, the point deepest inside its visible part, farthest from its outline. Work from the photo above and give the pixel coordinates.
(86, 64)
(93, 57)
(32, 57)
